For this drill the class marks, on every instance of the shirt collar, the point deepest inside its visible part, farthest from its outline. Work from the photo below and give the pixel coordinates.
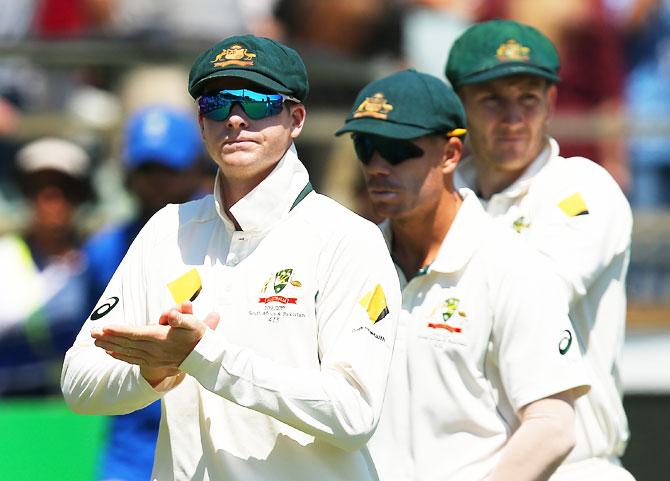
(466, 175)
(271, 200)
(467, 231)
(464, 236)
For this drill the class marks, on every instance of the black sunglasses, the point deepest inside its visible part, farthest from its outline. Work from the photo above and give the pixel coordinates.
(394, 151)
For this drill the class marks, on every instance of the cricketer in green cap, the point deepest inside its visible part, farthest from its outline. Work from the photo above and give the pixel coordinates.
(407, 131)
(406, 105)
(263, 61)
(500, 48)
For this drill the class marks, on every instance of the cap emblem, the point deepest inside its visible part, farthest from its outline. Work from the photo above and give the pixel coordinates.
(236, 54)
(512, 51)
(376, 106)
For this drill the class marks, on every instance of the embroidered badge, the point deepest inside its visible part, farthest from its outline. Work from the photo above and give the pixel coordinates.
(186, 287)
(574, 205)
(374, 303)
(236, 54)
(512, 51)
(279, 281)
(520, 224)
(376, 106)
(449, 322)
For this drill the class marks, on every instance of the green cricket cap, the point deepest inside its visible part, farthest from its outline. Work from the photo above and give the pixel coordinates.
(406, 105)
(500, 48)
(260, 60)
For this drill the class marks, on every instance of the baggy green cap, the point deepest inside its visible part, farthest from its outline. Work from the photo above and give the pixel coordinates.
(406, 105)
(500, 48)
(261, 60)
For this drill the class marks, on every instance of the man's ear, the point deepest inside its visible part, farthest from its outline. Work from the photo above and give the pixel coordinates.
(552, 95)
(453, 149)
(201, 123)
(298, 114)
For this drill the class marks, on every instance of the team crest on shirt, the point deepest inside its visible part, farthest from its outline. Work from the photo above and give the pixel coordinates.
(512, 51)
(278, 282)
(448, 316)
(236, 54)
(376, 106)
(520, 224)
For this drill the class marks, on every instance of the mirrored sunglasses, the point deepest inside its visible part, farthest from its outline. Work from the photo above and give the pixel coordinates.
(256, 105)
(394, 151)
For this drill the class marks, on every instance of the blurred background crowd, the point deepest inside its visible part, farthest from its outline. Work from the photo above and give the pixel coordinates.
(97, 132)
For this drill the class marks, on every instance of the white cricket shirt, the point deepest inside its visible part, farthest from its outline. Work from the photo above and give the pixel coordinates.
(290, 384)
(484, 331)
(573, 212)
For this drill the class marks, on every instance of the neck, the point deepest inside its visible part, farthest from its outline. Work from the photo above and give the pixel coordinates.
(417, 238)
(490, 181)
(232, 189)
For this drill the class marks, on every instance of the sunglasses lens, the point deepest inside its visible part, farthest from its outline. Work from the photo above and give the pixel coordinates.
(256, 105)
(363, 147)
(397, 151)
(214, 107)
(394, 151)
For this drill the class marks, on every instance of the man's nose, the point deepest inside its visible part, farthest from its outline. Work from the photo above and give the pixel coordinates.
(513, 113)
(237, 118)
(377, 164)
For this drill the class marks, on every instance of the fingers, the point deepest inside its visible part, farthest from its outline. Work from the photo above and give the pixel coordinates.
(180, 320)
(212, 320)
(186, 307)
(119, 346)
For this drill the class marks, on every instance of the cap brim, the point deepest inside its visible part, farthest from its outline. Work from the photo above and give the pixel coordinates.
(254, 77)
(383, 128)
(507, 70)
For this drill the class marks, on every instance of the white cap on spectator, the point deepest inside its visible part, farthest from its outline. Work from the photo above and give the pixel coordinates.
(51, 153)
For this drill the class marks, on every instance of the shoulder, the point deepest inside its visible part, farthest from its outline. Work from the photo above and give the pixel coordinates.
(564, 180)
(570, 173)
(330, 219)
(178, 216)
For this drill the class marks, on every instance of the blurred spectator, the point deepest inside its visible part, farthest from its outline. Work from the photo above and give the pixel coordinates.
(162, 154)
(592, 75)
(43, 286)
(70, 18)
(430, 23)
(360, 29)
(646, 25)
(203, 20)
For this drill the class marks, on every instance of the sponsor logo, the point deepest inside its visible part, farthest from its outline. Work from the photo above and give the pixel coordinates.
(186, 287)
(374, 303)
(565, 342)
(574, 205)
(369, 331)
(376, 106)
(104, 309)
(236, 54)
(512, 51)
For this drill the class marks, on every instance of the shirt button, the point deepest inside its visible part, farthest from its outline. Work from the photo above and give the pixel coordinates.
(232, 260)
